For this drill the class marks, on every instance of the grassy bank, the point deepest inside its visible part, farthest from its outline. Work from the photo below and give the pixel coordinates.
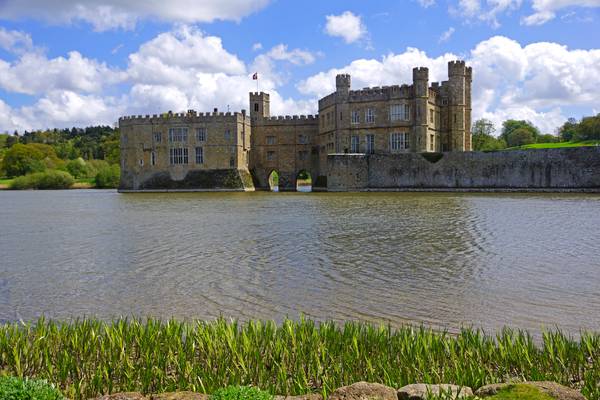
(88, 357)
(557, 145)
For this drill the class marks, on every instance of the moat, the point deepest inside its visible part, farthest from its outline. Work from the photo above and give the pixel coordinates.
(442, 259)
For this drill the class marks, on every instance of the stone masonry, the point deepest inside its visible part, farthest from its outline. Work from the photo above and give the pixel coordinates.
(237, 151)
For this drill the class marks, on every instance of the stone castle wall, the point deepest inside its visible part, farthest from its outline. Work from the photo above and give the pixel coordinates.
(551, 169)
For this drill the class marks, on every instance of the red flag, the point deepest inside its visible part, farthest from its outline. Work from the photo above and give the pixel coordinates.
(255, 76)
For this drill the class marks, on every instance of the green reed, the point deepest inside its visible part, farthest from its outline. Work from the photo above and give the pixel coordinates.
(89, 357)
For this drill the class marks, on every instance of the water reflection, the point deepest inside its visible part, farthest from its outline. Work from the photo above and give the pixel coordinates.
(442, 259)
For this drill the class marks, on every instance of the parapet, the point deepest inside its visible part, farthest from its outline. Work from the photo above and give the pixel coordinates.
(343, 81)
(457, 68)
(289, 120)
(420, 74)
(187, 117)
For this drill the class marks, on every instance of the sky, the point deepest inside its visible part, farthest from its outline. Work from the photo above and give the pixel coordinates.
(66, 63)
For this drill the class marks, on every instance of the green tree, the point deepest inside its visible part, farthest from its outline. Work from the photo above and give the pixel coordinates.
(22, 159)
(78, 168)
(483, 138)
(111, 147)
(520, 137)
(589, 129)
(568, 130)
(548, 138)
(108, 177)
(512, 125)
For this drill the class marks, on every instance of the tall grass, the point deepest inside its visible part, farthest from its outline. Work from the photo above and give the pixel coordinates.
(88, 357)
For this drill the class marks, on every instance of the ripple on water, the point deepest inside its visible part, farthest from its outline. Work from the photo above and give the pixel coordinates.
(440, 259)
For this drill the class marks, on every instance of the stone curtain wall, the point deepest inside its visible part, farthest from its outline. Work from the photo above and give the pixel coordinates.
(553, 169)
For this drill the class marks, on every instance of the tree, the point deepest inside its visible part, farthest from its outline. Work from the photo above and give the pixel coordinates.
(568, 130)
(483, 139)
(512, 125)
(520, 137)
(22, 159)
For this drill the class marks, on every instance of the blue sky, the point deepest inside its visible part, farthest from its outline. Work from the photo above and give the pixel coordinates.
(80, 63)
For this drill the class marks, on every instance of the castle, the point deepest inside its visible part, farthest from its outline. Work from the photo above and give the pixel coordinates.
(240, 150)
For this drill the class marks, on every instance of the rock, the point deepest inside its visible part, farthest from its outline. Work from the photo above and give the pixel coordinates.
(364, 391)
(553, 389)
(421, 391)
(123, 396)
(310, 396)
(180, 396)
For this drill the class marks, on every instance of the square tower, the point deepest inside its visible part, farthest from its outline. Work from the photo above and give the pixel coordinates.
(259, 105)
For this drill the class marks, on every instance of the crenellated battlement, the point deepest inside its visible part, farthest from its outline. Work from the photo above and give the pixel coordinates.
(457, 68)
(189, 117)
(288, 120)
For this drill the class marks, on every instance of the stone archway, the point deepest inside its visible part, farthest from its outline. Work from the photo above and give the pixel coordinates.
(304, 181)
(273, 181)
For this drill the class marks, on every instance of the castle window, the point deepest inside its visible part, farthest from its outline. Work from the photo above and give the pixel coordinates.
(399, 141)
(227, 134)
(270, 155)
(444, 102)
(370, 139)
(178, 135)
(354, 144)
(201, 134)
(255, 107)
(355, 117)
(178, 155)
(302, 139)
(431, 142)
(153, 158)
(270, 140)
(399, 112)
(141, 162)
(232, 162)
(431, 118)
(157, 137)
(303, 155)
(199, 155)
(455, 118)
(369, 116)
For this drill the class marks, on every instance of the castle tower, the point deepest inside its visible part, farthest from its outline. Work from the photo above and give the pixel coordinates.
(342, 84)
(421, 86)
(457, 105)
(259, 105)
(468, 109)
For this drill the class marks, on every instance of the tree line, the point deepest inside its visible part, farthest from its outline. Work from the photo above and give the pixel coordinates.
(516, 133)
(90, 153)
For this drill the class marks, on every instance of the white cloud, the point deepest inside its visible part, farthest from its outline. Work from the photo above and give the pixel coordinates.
(510, 81)
(15, 41)
(257, 46)
(426, 3)
(488, 12)
(110, 14)
(33, 73)
(346, 25)
(447, 35)
(545, 10)
(295, 56)
(176, 70)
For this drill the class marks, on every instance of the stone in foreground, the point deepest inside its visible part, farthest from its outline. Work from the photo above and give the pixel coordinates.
(123, 396)
(179, 396)
(364, 391)
(310, 396)
(553, 389)
(421, 391)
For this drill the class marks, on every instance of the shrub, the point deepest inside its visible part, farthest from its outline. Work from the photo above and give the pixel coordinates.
(12, 388)
(241, 393)
(43, 180)
(108, 177)
(78, 168)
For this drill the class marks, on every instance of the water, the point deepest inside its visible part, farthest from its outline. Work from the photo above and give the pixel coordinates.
(444, 260)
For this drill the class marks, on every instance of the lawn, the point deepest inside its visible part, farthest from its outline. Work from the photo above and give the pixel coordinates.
(84, 183)
(556, 145)
(521, 392)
